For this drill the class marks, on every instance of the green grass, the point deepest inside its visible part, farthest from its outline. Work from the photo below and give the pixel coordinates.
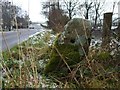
(21, 63)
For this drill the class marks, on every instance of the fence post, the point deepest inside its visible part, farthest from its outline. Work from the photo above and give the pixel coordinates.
(107, 23)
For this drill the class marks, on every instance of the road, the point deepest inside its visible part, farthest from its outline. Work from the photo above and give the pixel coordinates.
(12, 38)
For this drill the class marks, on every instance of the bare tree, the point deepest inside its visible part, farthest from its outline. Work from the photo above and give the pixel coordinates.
(56, 16)
(93, 10)
(88, 6)
(98, 8)
(71, 6)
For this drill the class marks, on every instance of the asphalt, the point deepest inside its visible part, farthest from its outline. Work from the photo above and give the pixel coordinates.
(11, 38)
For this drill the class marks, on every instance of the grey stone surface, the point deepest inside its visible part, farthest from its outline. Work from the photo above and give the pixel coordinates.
(76, 31)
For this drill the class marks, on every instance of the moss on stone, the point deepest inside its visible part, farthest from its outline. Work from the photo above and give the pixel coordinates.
(69, 52)
(104, 56)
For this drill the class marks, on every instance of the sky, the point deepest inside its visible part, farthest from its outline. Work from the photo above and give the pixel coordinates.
(34, 8)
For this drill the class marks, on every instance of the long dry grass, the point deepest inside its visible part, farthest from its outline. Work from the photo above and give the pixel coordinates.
(23, 65)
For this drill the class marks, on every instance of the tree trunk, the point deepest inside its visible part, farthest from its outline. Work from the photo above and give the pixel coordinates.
(107, 22)
(70, 11)
(96, 17)
(86, 16)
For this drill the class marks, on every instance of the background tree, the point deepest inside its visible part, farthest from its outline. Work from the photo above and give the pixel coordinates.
(92, 11)
(98, 9)
(55, 15)
(6, 15)
(9, 12)
(71, 6)
(85, 8)
(88, 6)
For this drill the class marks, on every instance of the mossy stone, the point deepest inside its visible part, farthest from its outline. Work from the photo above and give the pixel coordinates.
(70, 44)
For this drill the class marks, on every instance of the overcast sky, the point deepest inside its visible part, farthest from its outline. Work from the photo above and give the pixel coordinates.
(34, 7)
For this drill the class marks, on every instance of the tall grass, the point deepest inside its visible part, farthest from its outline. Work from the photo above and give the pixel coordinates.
(23, 65)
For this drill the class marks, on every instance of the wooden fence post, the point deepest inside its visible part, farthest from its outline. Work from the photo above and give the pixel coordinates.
(118, 31)
(107, 23)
